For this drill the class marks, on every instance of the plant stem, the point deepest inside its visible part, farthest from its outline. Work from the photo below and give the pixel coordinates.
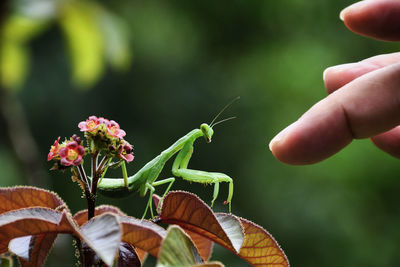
(95, 177)
(88, 194)
(101, 165)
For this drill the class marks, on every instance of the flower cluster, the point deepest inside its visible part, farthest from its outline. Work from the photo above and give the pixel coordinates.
(106, 135)
(102, 135)
(68, 153)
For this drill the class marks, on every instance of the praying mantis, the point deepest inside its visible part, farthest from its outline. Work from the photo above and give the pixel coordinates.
(146, 178)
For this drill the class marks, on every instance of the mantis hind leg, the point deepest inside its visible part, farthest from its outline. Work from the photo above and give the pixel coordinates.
(208, 178)
(151, 189)
(179, 169)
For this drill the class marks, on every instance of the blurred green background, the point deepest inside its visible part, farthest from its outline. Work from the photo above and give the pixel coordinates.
(161, 68)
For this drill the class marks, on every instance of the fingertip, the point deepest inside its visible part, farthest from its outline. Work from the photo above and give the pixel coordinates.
(389, 141)
(376, 19)
(318, 134)
(336, 76)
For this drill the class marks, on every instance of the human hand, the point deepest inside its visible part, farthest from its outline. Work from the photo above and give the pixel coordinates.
(363, 100)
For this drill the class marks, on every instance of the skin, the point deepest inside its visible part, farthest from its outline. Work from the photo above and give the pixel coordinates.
(363, 97)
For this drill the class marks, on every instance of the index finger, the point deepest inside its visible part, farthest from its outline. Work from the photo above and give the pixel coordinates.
(364, 107)
(379, 19)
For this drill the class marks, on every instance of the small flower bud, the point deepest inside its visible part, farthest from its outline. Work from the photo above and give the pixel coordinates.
(76, 138)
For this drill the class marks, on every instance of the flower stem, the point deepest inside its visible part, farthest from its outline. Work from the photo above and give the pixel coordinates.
(88, 195)
(95, 177)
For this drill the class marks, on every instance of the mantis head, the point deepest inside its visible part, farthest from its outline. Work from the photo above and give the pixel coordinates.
(207, 131)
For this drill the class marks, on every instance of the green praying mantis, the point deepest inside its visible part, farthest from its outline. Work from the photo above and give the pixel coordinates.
(146, 178)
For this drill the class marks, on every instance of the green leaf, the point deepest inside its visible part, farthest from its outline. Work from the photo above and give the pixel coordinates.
(13, 64)
(79, 21)
(16, 31)
(117, 49)
(6, 262)
(178, 250)
(20, 29)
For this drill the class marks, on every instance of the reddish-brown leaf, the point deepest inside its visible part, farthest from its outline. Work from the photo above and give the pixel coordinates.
(260, 248)
(210, 264)
(143, 234)
(141, 254)
(12, 198)
(203, 244)
(191, 213)
(103, 234)
(30, 221)
(41, 248)
(81, 217)
(18, 197)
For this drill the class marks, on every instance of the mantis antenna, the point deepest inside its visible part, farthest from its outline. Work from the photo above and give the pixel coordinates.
(222, 110)
(221, 121)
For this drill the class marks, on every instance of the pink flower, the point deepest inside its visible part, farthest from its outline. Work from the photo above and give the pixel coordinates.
(91, 124)
(125, 152)
(103, 121)
(114, 130)
(54, 149)
(71, 154)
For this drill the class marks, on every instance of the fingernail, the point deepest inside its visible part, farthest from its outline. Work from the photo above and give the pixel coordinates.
(280, 136)
(353, 6)
(341, 15)
(324, 74)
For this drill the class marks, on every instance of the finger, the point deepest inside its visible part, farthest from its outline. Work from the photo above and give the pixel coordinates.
(379, 19)
(364, 107)
(337, 76)
(389, 141)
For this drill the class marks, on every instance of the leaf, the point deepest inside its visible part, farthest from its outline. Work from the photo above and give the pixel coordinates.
(203, 244)
(23, 197)
(81, 217)
(191, 213)
(20, 246)
(210, 264)
(6, 262)
(14, 56)
(142, 234)
(21, 29)
(127, 256)
(28, 221)
(14, 60)
(178, 250)
(142, 254)
(260, 248)
(115, 34)
(12, 198)
(79, 22)
(42, 246)
(103, 234)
